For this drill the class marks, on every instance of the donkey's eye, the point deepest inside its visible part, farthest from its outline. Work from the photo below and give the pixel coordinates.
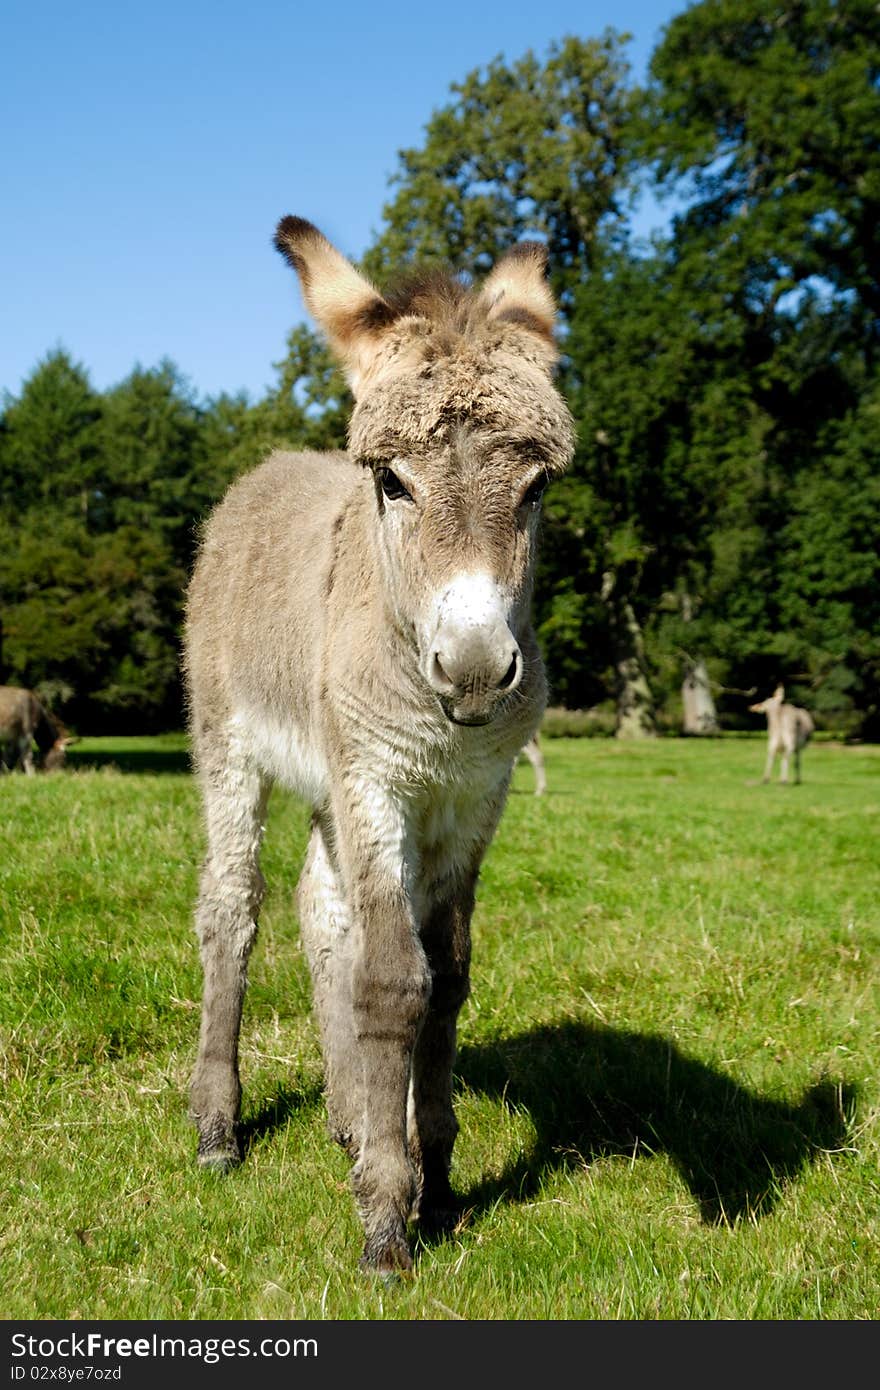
(392, 487)
(534, 492)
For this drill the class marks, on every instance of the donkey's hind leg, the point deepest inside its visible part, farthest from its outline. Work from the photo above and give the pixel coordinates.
(431, 1123)
(325, 927)
(231, 890)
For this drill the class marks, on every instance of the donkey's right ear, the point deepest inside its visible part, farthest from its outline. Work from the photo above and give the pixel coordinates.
(349, 310)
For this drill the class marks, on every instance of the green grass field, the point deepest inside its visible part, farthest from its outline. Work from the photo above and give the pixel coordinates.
(668, 1069)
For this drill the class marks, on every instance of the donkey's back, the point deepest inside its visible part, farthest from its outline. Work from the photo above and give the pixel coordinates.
(19, 711)
(256, 610)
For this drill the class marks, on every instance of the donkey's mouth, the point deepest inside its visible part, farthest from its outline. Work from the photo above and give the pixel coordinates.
(471, 721)
(465, 718)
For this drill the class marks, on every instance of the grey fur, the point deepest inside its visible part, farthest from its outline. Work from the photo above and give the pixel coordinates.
(373, 650)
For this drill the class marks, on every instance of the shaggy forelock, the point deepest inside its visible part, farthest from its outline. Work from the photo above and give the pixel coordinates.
(448, 352)
(434, 376)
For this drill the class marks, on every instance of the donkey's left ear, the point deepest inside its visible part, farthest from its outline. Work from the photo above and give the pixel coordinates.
(350, 311)
(516, 291)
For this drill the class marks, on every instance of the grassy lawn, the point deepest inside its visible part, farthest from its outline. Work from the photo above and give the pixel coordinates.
(667, 1080)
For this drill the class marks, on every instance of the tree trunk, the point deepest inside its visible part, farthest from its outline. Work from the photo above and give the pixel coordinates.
(635, 703)
(699, 714)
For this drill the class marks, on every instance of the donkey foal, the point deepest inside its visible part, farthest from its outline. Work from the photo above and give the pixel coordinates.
(358, 629)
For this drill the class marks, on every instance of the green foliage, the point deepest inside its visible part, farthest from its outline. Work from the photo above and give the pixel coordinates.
(307, 409)
(764, 119)
(830, 592)
(103, 497)
(149, 438)
(92, 574)
(526, 148)
(49, 444)
(722, 504)
(703, 373)
(769, 112)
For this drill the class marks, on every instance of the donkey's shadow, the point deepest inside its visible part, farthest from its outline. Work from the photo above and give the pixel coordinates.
(274, 1114)
(593, 1092)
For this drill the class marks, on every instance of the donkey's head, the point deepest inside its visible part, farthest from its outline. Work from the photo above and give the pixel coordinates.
(457, 417)
(53, 740)
(54, 759)
(772, 702)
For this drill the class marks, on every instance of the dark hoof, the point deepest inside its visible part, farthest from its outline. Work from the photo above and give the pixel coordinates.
(388, 1260)
(219, 1149)
(220, 1160)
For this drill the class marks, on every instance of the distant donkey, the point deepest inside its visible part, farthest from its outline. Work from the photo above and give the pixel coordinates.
(24, 721)
(358, 628)
(788, 731)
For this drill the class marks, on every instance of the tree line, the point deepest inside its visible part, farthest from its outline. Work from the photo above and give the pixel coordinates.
(720, 526)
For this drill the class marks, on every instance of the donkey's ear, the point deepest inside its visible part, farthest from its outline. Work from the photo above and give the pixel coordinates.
(517, 291)
(348, 309)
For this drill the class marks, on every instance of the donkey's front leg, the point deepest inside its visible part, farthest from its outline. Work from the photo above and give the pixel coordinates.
(230, 892)
(391, 985)
(390, 990)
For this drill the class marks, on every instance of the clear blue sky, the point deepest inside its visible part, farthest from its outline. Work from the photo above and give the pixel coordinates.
(149, 151)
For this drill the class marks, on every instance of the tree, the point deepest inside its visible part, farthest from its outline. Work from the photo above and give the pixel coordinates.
(648, 381)
(767, 113)
(829, 583)
(525, 148)
(721, 518)
(766, 118)
(306, 409)
(49, 446)
(148, 438)
(92, 576)
(90, 620)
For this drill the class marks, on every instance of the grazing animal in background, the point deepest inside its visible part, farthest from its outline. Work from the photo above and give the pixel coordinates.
(25, 721)
(788, 731)
(532, 751)
(358, 629)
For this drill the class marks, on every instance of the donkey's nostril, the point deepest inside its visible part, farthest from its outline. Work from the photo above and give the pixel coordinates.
(439, 679)
(511, 674)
